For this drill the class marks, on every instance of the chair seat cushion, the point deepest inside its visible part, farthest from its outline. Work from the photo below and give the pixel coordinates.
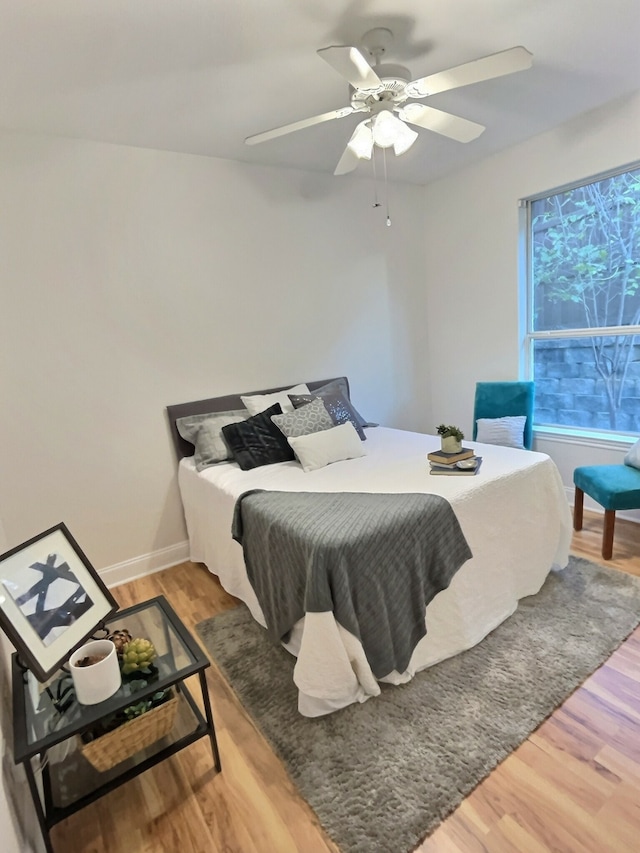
(612, 486)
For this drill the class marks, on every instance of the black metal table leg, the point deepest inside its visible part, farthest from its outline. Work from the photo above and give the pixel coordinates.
(209, 716)
(37, 803)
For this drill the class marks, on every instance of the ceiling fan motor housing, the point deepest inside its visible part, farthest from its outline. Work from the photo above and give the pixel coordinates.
(394, 79)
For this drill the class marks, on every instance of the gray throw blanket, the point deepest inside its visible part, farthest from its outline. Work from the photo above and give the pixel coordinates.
(375, 560)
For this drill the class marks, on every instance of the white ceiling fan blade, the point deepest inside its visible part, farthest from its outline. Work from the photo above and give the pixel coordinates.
(359, 147)
(298, 125)
(460, 129)
(351, 64)
(347, 163)
(495, 65)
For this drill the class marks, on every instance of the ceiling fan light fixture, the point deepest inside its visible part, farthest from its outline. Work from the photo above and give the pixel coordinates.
(385, 128)
(361, 142)
(404, 140)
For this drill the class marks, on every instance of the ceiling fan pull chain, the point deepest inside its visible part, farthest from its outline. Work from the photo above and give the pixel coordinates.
(386, 184)
(376, 203)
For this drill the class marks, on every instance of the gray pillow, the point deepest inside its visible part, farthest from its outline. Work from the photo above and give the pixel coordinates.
(205, 433)
(339, 386)
(306, 420)
(338, 406)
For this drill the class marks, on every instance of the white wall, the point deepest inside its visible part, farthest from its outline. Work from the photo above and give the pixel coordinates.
(133, 279)
(472, 243)
(18, 821)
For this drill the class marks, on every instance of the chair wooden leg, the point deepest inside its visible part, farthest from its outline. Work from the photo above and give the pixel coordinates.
(607, 536)
(578, 503)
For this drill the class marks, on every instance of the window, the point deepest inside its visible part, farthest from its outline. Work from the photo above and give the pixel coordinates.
(583, 325)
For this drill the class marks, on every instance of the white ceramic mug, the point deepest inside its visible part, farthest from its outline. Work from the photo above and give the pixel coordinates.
(98, 681)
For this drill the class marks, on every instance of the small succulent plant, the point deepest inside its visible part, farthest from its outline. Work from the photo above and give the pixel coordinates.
(446, 431)
(137, 655)
(120, 638)
(145, 705)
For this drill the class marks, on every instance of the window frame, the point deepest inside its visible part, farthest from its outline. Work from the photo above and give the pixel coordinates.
(612, 439)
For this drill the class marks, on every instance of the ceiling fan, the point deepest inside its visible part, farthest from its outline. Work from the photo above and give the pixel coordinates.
(383, 91)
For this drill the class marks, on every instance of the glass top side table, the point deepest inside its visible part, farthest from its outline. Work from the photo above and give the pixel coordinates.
(47, 719)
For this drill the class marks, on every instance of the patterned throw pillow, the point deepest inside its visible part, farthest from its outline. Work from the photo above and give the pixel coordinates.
(339, 386)
(205, 433)
(258, 441)
(311, 418)
(336, 404)
(508, 431)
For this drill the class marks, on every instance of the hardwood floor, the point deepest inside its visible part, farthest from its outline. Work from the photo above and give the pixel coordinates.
(572, 787)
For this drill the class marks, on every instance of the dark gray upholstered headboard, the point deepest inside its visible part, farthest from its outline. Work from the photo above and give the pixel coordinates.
(221, 404)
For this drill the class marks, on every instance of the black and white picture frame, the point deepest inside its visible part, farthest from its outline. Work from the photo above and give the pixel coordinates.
(51, 599)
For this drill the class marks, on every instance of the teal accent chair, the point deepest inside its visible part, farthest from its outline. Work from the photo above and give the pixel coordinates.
(614, 487)
(505, 399)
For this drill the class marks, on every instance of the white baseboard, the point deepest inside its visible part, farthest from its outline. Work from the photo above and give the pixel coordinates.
(147, 564)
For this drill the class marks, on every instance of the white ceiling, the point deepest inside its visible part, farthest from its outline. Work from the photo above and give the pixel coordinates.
(198, 77)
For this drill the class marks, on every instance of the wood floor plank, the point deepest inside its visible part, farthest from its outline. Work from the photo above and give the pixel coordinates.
(589, 791)
(532, 809)
(473, 816)
(569, 736)
(623, 812)
(572, 787)
(566, 824)
(440, 842)
(618, 689)
(621, 765)
(509, 836)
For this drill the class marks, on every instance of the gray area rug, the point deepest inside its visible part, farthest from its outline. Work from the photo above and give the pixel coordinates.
(382, 775)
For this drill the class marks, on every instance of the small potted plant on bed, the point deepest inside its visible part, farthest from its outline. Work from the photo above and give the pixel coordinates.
(450, 438)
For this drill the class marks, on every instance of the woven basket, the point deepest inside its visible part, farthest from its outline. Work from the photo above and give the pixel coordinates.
(115, 746)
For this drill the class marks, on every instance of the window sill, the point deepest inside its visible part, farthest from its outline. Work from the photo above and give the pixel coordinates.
(588, 438)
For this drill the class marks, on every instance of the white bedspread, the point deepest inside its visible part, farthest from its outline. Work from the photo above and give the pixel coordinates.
(514, 514)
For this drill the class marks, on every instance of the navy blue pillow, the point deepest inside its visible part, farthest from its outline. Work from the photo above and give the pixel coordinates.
(258, 441)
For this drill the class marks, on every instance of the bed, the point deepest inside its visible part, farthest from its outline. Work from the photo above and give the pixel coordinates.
(514, 516)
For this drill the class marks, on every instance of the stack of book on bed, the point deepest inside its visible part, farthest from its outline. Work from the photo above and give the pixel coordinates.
(463, 463)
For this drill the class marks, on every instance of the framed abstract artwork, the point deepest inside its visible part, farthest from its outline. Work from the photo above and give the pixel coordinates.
(51, 599)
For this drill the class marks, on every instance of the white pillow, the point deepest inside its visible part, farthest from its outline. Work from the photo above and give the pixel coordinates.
(259, 402)
(331, 445)
(508, 432)
(633, 455)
